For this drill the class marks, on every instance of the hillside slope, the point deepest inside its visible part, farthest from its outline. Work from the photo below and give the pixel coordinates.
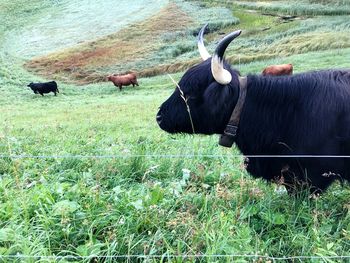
(80, 43)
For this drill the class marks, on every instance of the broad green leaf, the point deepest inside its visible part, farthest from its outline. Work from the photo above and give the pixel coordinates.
(7, 235)
(65, 207)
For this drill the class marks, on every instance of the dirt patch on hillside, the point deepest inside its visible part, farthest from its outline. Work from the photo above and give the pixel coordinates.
(133, 43)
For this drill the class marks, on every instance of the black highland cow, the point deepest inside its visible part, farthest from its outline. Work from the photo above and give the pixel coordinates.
(45, 87)
(302, 114)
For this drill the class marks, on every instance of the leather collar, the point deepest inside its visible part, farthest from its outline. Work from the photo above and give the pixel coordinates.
(230, 132)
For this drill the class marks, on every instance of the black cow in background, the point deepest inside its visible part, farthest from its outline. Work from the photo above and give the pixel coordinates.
(301, 114)
(45, 87)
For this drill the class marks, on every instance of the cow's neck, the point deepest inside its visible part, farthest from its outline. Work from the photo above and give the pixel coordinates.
(228, 137)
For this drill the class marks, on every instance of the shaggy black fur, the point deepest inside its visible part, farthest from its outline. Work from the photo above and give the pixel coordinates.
(302, 114)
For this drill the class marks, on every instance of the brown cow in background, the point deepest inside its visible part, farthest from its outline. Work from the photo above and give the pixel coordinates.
(123, 80)
(278, 70)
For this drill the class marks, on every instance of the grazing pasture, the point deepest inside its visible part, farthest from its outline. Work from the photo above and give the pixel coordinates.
(107, 181)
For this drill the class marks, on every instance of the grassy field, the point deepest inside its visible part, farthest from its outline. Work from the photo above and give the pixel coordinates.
(304, 7)
(169, 34)
(161, 194)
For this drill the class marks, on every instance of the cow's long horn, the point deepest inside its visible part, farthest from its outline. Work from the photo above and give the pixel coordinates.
(220, 74)
(201, 48)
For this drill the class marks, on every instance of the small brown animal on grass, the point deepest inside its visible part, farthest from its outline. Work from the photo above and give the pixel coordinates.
(124, 80)
(278, 70)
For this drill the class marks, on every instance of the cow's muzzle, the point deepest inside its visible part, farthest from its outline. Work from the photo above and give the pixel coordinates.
(159, 118)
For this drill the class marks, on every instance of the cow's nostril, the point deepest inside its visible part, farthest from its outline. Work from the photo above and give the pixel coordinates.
(159, 118)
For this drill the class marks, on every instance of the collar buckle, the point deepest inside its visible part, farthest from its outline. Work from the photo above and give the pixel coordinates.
(228, 137)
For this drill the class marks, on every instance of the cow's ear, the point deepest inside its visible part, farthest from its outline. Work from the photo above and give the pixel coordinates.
(215, 92)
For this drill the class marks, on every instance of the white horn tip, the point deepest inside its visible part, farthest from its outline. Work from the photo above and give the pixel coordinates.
(201, 48)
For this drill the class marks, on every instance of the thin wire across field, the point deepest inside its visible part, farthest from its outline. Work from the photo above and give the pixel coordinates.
(186, 256)
(164, 156)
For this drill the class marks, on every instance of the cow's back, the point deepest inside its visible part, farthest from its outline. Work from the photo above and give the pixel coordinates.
(302, 114)
(296, 108)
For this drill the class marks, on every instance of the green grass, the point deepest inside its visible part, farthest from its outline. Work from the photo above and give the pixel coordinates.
(87, 53)
(49, 33)
(139, 205)
(302, 8)
(144, 203)
(338, 58)
(264, 37)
